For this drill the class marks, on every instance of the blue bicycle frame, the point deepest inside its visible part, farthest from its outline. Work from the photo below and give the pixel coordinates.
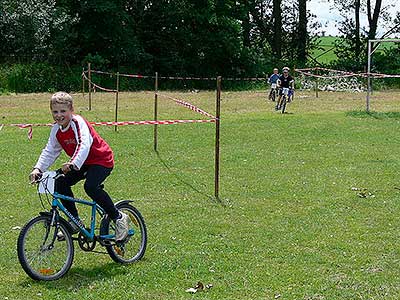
(56, 203)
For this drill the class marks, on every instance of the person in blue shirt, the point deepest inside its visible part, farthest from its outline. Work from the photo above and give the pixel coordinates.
(272, 80)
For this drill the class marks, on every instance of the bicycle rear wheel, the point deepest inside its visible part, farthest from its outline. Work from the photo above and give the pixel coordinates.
(40, 253)
(134, 246)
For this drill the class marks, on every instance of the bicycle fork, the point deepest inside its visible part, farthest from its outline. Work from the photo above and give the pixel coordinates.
(53, 223)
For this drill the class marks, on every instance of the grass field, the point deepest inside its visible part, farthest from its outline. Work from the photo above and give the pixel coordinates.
(288, 224)
(325, 52)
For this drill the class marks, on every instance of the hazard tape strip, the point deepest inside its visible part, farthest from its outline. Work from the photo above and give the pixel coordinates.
(151, 122)
(188, 105)
(178, 77)
(342, 74)
(121, 74)
(97, 86)
(120, 123)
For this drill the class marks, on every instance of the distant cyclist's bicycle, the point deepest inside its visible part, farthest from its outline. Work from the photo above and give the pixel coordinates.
(45, 244)
(273, 92)
(287, 94)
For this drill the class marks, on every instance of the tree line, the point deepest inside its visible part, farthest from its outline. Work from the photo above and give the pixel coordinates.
(182, 37)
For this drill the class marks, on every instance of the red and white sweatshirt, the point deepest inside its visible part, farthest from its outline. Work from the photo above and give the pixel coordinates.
(80, 141)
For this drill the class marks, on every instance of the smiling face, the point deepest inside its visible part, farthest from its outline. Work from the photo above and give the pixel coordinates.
(62, 114)
(61, 106)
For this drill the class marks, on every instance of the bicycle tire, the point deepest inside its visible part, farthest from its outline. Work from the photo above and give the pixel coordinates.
(134, 247)
(273, 95)
(284, 101)
(36, 259)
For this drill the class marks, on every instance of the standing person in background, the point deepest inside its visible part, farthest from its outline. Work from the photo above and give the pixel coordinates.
(272, 80)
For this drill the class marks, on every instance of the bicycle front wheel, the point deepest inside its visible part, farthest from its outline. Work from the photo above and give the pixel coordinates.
(134, 246)
(273, 95)
(42, 254)
(284, 101)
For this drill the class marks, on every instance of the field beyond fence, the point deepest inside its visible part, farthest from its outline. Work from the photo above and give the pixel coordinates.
(309, 204)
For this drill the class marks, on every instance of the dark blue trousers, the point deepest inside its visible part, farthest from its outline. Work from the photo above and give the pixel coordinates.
(94, 175)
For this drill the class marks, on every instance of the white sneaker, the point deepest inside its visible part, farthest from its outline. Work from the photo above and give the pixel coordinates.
(121, 227)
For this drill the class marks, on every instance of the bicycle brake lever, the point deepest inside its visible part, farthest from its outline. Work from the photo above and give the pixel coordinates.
(36, 179)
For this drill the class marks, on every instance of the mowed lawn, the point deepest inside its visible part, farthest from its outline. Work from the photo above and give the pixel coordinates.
(289, 223)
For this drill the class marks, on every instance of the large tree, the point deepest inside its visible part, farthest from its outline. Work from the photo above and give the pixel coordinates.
(351, 47)
(302, 33)
(277, 29)
(373, 17)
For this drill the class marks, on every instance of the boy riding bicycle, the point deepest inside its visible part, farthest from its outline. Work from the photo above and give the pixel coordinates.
(284, 81)
(91, 158)
(272, 80)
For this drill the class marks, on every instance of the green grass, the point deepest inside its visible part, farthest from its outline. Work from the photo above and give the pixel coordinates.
(325, 51)
(288, 226)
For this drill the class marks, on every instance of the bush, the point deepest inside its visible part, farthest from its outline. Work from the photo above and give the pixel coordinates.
(39, 77)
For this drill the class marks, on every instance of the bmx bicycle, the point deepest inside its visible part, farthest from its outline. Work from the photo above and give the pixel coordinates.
(273, 92)
(287, 95)
(45, 244)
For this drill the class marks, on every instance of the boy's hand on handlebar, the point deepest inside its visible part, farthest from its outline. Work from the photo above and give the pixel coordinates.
(35, 176)
(67, 167)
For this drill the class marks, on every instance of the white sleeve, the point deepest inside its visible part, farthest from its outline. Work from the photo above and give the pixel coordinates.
(84, 141)
(50, 153)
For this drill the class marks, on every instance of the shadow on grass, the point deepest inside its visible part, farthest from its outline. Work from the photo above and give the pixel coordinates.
(182, 180)
(81, 277)
(374, 114)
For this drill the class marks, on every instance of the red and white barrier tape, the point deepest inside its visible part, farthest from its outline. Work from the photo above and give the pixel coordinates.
(151, 122)
(178, 77)
(342, 74)
(188, 105)
(305, 71)
(97, 86)
(121, 123)
(325, 76)
(121, 74)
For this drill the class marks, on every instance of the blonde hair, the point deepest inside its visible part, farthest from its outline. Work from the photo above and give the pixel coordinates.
(62, 98)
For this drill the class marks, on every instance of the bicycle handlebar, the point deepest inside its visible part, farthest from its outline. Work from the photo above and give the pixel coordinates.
(59, 173)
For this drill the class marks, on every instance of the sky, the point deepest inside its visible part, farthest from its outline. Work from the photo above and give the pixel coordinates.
(327, 16)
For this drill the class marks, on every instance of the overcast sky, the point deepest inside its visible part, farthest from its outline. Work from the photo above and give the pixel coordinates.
(327, 16)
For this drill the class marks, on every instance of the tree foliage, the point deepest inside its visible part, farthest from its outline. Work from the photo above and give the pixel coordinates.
(185, 37)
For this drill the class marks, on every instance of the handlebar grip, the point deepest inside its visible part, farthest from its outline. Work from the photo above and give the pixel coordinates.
(60, 171)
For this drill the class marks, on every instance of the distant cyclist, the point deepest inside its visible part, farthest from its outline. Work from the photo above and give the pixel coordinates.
(284, 81)
(272, 81)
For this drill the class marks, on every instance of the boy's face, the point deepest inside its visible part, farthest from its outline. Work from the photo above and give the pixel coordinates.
(275, 71)
(62, 114)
